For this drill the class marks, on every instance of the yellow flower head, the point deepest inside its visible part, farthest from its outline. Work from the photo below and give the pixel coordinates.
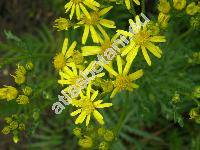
(29, 65)
(60, 59)
(77, 132)
(20, 70)
(86, 142)
(6, 130)
(109, 135)
(78, 7)
(13, 125)
(163, 20)
(70, 74)
(194, 113)
(192, 9)
(179, 4)
(128, 3)
(87, 107)
(8, 92)
(62, 24)
(22, 99)
(103, 146)
(141, 38)
(95, 22)
(123, 80)
(22, 126)
(164, 6)
(27, 90)
(19, 78)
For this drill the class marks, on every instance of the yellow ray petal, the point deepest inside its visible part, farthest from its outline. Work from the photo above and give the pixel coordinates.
(85, 34)
(88, 4)
(128, 4)
(94, 35)
(76, 112)
(107, 23)
(72, 11)
(103, 31)
(89, 87)
(65, 45)
(88, 119)
(109, 69)
(128, 48)
(130, 57)
(119, 64)
(104, 105)
(81, 117)
(94, 95)
(70, 50)
(105, 10)
(125, 33)
(157, 39)
(153, 49)
(85, 11)
(136, 75)
(114, 92)
(68, 6)
(98, 117)
(78, 12)
(135, 86)
(146, 56)
(137, 2)
(96, 103)
(91, 50)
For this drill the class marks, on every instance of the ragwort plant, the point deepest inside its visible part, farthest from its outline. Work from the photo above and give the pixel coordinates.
(110, 111)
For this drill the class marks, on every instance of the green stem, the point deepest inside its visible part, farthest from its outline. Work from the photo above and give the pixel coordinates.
(122, 116)
(143, 6)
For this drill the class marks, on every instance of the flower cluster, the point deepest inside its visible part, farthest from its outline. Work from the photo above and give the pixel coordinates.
(94, 137)
(14, 126)
(117, 51)
(12, 93)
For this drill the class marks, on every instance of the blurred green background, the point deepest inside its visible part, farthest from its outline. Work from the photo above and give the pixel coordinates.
(155, 116)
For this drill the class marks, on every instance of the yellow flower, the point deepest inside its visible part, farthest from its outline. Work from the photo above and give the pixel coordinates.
(78, 6)
(22, 99)
(8, 92)
(61, 58)
(29, 65)
(86, 142)
(141, 38)
(22, 126)
(6, 130)
(104, 45)
(62, 24)
(87, 107)
(103, 146)
(13, 125)
(77, 132)
(179, 4)
(164, 6)
(109, 135)
(97, 21)
(163, 20)
(59, 61)
(19, 78)
(128, 3)
(123, 81)
(192, 9)
(71, 73)
(27, 90)
(20, 70)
